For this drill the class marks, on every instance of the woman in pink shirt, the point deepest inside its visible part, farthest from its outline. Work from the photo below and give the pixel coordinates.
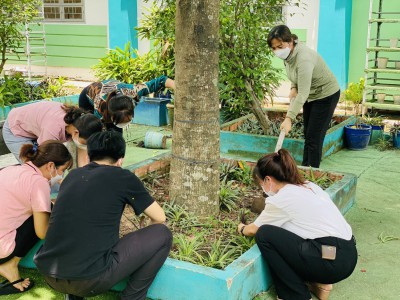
(25, 206)
(47, 120)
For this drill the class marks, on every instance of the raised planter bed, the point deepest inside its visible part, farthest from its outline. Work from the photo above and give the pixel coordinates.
(246, 276)
(251, 146)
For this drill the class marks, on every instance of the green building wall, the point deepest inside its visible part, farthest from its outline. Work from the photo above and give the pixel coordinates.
(359, 32)
(70, 45)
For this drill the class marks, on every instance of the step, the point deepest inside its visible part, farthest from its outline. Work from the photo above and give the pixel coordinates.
(387, 70)
(385, 87)
(384, 20)
(382, 106)
(383, 49)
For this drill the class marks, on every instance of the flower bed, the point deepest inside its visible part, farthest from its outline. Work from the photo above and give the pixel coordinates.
(244, 277)
(251, 146)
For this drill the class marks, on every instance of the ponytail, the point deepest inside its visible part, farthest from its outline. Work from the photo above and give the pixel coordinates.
(279, 165)
(49, 151)
(72, 113)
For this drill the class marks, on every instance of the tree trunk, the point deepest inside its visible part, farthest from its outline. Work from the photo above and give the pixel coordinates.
(256, 108)
(194, 174)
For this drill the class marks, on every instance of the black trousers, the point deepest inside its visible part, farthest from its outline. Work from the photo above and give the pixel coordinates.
(317, 116)
(25, 239)
(138, 255)
(293, 260)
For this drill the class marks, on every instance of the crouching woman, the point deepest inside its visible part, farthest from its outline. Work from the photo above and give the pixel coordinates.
(25, 206)
(301, 234)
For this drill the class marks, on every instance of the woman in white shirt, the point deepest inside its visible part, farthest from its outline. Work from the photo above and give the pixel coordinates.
(301, 233)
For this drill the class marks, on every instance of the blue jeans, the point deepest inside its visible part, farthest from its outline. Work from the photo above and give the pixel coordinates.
(14, 142)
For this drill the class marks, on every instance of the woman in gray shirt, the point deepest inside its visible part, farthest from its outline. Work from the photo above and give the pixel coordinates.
(313, 88)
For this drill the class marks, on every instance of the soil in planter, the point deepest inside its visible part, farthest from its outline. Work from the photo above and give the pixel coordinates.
(297, 132)
(213, 242)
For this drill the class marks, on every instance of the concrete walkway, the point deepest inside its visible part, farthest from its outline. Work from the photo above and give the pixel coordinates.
(376, 212)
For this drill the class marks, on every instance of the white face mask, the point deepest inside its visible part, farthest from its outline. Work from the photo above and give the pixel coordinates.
(56, 178)
(123, 125)
(79, 145)
(282, 53)
(270, 193)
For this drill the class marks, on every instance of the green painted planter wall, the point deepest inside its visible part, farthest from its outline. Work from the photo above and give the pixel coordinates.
(252, 146)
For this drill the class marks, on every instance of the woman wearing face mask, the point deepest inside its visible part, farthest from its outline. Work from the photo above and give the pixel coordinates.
(301, 233)
(42, 121)
(114, 101)
(85, 126)
(25, 207)
(313, 88)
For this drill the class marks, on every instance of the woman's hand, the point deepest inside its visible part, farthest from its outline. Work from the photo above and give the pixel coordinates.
(286, 125)
(293, 93)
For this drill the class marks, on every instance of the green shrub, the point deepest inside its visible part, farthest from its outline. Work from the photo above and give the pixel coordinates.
(127, 65)
(15, 89)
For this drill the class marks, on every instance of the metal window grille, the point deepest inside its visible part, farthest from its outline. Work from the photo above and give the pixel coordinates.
(64, 10)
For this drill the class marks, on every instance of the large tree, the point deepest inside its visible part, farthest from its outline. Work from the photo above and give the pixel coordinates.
(14, 14)
(195, 151)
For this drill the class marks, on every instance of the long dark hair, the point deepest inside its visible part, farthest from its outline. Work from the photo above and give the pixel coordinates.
(87, 124)
(117, 107)
(282, 33)
(279, 165)
(48, 151)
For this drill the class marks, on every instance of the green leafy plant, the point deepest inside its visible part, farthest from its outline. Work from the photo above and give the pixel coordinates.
(322, 179)
(383, 144)
(228, 195)
(128, 66)
(13, 14)
(220, 255)
(354, 94)
(374, 120)
(186, 248)
(15, 89)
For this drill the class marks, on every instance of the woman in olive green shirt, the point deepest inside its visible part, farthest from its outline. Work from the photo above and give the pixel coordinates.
(313, 88)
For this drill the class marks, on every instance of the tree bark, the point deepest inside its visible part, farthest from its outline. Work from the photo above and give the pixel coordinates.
(194, 173)
(256, 108)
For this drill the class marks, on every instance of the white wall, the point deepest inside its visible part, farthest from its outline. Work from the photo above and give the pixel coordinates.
(305, 17)
(96, 12)
(143, 44)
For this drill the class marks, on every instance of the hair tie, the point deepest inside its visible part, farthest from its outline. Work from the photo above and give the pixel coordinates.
(35, 147)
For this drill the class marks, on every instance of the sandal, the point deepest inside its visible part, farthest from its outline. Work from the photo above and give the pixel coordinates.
(8, 288)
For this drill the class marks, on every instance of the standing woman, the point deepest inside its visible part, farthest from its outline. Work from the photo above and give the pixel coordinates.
(313, 88)
(114, 101)
(25, 207)
(42, 121)
(301, 233)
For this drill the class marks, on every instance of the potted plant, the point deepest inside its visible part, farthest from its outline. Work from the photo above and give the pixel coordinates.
(357, 135)
(395, 132)
(377, 123)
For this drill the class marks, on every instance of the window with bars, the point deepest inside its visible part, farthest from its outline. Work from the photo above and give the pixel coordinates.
(64, 10)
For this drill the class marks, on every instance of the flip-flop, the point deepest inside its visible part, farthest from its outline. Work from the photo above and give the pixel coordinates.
(8, 288)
